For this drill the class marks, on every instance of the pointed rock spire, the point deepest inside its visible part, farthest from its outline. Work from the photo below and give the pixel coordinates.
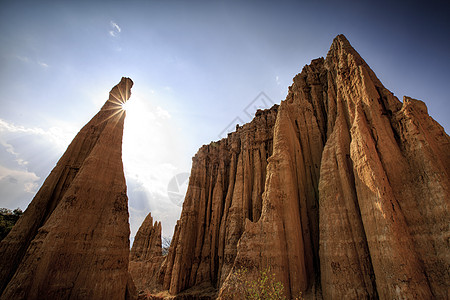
(73, 239)
(146, 256)
(147, 242)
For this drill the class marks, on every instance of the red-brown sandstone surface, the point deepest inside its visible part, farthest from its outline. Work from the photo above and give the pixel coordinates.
(73, 240)
(342, 190)
(357, 189)
(225, 189)
(146, 257)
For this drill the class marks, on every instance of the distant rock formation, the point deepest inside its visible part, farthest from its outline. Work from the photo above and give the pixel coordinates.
(146, 256)
(72, 242)
(342, 190)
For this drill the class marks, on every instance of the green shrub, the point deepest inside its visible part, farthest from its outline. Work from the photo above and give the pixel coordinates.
(263, 287)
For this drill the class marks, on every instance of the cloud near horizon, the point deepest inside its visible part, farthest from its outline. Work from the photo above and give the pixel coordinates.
(28, 154)
(17, 187)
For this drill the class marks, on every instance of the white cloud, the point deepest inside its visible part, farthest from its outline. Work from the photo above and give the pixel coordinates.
(17, 187)
(31, 187)
(27, 155)
(115, 29)
(162, 113)
(15, 176)
(59, 136)
(42, 64)
(115, 26)
(153, 153)
(277, 80)
(10, 149)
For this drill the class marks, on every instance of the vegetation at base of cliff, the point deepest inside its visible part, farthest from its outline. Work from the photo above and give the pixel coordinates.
(7, 220)
(264, 286)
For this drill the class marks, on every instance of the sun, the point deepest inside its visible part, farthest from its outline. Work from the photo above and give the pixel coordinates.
(125, 105)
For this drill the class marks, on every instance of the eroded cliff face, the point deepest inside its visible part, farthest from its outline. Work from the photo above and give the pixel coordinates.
(73, 239)
(146, 256)
(342, 190)
(357, 190)
(225, 189)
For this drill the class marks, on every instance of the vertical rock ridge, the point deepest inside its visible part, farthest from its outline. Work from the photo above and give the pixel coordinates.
(346, 260)
(147, 242)
(146, 256)
(76, 229)
(355, 203)
(286, 236)
(225, 188)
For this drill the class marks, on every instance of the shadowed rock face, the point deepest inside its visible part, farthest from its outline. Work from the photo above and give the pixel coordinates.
(351, 203)
(73, 239)
(146, 256)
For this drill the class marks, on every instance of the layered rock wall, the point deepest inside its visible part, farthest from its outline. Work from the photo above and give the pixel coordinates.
(225, 189)
(342, 190)
(73, 239)
(378, 207)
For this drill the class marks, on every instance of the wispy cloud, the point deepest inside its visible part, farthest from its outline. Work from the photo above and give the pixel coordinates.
(55, 135)
(26, 59)
(43, 64)
(27, 153)
(113, 24)
(10, 149)
(115, 29)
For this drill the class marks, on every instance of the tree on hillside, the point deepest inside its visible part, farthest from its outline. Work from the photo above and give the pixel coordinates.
(7, 220)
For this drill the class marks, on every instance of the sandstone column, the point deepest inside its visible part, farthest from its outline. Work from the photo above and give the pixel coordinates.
(73, 240)
(146, 256)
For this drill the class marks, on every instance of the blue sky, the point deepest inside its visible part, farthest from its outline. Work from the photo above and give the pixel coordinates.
(196, 66)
